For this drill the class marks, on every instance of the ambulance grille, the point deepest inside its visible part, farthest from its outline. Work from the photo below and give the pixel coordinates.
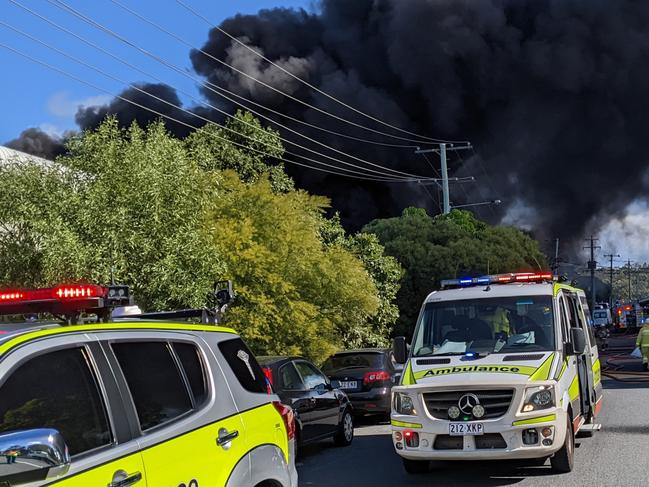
(495, 401)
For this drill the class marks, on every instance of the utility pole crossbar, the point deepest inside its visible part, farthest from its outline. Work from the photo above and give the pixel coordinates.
(442, 150)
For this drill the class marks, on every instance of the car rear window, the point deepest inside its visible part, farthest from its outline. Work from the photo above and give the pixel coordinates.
(371, 360)
(244, 365)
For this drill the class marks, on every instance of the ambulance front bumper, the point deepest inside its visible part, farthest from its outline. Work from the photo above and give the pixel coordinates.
(514, 435)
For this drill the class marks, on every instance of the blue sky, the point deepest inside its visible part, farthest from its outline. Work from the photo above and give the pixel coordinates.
(33, 96)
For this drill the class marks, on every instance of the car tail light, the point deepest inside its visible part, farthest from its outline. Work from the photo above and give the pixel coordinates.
(289, 418)
(268, 373)
(378, 376)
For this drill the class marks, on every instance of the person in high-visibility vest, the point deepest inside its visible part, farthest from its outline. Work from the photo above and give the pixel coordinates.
(643, 344)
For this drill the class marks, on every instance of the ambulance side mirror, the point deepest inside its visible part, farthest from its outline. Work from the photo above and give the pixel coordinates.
(400, 350)
(578, 341)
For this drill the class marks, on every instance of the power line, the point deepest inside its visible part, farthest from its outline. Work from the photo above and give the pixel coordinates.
(83, 63)
(64, 6)
(199, 129)
(248, 100)
(306, 83)
(182, 72)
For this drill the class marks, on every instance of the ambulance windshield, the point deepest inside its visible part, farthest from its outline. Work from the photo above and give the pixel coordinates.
(488, 325)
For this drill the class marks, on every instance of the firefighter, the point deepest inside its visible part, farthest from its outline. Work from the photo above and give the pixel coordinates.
(643, 344)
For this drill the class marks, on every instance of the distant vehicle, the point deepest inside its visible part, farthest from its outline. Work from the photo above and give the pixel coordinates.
(321, 410)
(602, 317)
(366, 376)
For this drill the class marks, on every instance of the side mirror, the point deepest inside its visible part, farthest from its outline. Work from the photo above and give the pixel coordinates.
(400, 350)
(32, 456)
(578, 340)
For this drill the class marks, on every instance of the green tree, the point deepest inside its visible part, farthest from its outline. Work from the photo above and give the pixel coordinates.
(215, 149)
(386, 273)
(295, 295)
(123, 201)
(434, 248)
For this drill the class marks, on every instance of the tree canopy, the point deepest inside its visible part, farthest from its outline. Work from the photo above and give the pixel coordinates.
(447, 246)
(169, 217)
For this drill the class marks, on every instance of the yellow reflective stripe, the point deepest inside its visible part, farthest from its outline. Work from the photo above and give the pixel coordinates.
(12, 342)
(408, 378)
(563, 369)
(479, 368)
(543, 372)
(597, 372)
(403, 424)
(541, 419)
(573, 391)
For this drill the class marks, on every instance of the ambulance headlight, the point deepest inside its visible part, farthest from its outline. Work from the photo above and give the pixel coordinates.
(541, 397)
(403, 404)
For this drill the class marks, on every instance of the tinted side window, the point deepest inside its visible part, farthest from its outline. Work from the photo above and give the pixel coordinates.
(57, 390)
(289, 378)
(157, 388)
(190, 359)
(310, 375)
(244, 365)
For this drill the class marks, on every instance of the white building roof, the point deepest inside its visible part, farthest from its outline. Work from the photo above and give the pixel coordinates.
(7, 154)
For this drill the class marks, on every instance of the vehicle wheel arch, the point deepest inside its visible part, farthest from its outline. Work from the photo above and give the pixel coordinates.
(245, 473)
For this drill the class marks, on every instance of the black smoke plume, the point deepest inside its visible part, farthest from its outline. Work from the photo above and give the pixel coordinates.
(553, 93)
(160, 101)
(37, 143)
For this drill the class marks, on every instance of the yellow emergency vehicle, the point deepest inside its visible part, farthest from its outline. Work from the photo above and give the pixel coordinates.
(500, 367)
(133, 403)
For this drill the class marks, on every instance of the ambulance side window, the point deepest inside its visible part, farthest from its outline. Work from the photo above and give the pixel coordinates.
(564, 319)
(57, 390)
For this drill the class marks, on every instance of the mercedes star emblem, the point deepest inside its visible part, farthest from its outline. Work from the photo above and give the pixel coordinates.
(468, 402)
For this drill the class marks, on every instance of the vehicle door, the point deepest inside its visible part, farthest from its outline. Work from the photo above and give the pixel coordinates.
(190, 432)
(65, 383)
(592, 359)
(584, 360)
(326, 405)
(295, 394)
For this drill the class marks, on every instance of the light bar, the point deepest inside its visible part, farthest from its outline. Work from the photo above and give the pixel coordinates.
(64, 300)
(518, 277)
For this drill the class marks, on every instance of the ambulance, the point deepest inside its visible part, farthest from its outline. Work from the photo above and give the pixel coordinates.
(500, 367)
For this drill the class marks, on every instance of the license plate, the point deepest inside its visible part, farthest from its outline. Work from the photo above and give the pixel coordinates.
(348, 384)
(468, 429)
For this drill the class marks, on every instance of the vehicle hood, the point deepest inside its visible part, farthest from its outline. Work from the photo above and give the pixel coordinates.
(495, 368)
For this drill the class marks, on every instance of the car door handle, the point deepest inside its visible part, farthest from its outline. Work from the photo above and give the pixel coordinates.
(122, 479)
(226, 437)
(313, 400)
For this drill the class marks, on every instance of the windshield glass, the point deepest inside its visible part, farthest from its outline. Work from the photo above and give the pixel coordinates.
(489, 325)
(600, 314)
(371, 360)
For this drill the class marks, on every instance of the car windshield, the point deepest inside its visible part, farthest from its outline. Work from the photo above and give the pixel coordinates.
(486, 325)
(371, 360)
(600, 314)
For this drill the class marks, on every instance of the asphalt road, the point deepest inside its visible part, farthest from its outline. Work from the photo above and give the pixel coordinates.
(616, 456)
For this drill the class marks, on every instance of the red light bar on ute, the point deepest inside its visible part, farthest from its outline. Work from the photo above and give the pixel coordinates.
(70, 299)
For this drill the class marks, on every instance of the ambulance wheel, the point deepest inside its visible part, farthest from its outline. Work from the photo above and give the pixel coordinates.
(416, 466)
(564, 459)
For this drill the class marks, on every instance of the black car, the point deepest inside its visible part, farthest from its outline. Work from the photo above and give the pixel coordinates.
(366, 376)
(321, 411)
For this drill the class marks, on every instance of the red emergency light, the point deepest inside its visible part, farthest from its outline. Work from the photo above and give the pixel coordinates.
(63, 299)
